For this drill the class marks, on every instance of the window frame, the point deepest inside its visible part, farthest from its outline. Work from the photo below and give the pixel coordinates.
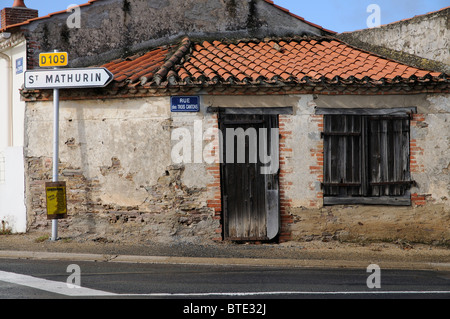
(364, 198)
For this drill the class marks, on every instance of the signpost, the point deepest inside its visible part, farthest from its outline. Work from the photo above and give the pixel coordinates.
(57, 79)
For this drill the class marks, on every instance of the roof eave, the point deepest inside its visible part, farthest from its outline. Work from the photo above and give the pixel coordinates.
(165, 89)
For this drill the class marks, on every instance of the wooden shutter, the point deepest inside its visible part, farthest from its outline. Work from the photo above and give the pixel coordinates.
(342, 160)
(388, 156)
(366, 159)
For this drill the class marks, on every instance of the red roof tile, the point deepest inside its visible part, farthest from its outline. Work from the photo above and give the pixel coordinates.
(316, 58)
(133, 69)
(263, 63)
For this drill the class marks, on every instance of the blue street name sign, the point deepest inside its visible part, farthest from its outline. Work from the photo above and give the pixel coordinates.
(185, 104)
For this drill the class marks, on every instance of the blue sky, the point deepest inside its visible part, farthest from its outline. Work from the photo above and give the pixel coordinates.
(336, 15)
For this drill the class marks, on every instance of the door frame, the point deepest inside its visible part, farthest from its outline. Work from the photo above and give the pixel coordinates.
(273, 211)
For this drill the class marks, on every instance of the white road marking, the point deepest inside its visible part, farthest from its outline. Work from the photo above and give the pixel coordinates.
(279, 293)
(63, 289)
(51, 286)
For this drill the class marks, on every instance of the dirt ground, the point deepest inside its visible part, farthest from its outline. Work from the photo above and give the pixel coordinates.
(401, 253)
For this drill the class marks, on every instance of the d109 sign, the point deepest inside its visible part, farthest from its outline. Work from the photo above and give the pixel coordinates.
(53, 59)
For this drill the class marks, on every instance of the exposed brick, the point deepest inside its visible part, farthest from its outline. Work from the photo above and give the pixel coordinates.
(286, 153)
(214, 187)
(11, 16)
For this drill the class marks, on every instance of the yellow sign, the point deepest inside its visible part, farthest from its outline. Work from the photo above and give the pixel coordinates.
(53, 59)
(56, 200)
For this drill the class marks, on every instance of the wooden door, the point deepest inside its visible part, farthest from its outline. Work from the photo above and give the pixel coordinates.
(250, 195)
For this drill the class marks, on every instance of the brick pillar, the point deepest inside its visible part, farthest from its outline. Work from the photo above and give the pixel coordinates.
(285, 171)
(11, 16)
(416, 153)
(213, 169)
(317, 168)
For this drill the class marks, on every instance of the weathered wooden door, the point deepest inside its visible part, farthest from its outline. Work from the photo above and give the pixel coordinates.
(249, 189)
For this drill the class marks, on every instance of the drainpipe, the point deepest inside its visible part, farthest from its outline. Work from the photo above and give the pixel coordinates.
(9, 87)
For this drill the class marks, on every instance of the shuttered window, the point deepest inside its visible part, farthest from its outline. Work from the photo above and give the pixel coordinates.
(366, 159)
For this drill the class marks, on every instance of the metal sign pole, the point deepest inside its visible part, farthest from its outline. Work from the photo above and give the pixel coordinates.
(55, 151)
(57, 79)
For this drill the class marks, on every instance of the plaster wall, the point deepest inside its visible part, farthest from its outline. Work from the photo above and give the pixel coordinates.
(13, 64)
(13, 215)
(116, 158)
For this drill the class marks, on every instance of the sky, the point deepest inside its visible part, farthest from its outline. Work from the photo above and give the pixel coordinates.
(336, 15)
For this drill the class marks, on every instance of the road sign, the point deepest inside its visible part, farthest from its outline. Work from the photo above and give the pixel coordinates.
(185, 104)
(56, 200)
(68, 78)
(53, 59)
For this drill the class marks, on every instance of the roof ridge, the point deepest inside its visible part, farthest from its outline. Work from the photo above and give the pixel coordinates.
(266, 39)
(172, 61)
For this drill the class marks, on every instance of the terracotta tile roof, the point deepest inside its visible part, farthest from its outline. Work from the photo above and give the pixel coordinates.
(270, 62)
(152, 66)
(282, 66)
(291, 61)
(134, 69)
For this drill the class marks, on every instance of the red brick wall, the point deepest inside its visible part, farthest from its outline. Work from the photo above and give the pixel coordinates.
(415, 149)
(285, 171)
(11, 16)
(215, 200)
(317, 169)
(416, 166)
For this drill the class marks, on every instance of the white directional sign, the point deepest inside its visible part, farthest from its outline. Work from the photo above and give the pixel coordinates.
(68, 78)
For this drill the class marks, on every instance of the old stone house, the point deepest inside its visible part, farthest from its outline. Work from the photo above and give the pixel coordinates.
(242, 121)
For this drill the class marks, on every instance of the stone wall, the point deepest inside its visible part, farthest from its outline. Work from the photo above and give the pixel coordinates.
(426, 36)
(113, 28)
(420, 224)
(121, 181)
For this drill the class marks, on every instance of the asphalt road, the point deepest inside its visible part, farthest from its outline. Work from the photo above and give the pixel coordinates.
(31, 279)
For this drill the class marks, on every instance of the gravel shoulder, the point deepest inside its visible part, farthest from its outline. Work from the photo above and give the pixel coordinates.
(332, 254)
